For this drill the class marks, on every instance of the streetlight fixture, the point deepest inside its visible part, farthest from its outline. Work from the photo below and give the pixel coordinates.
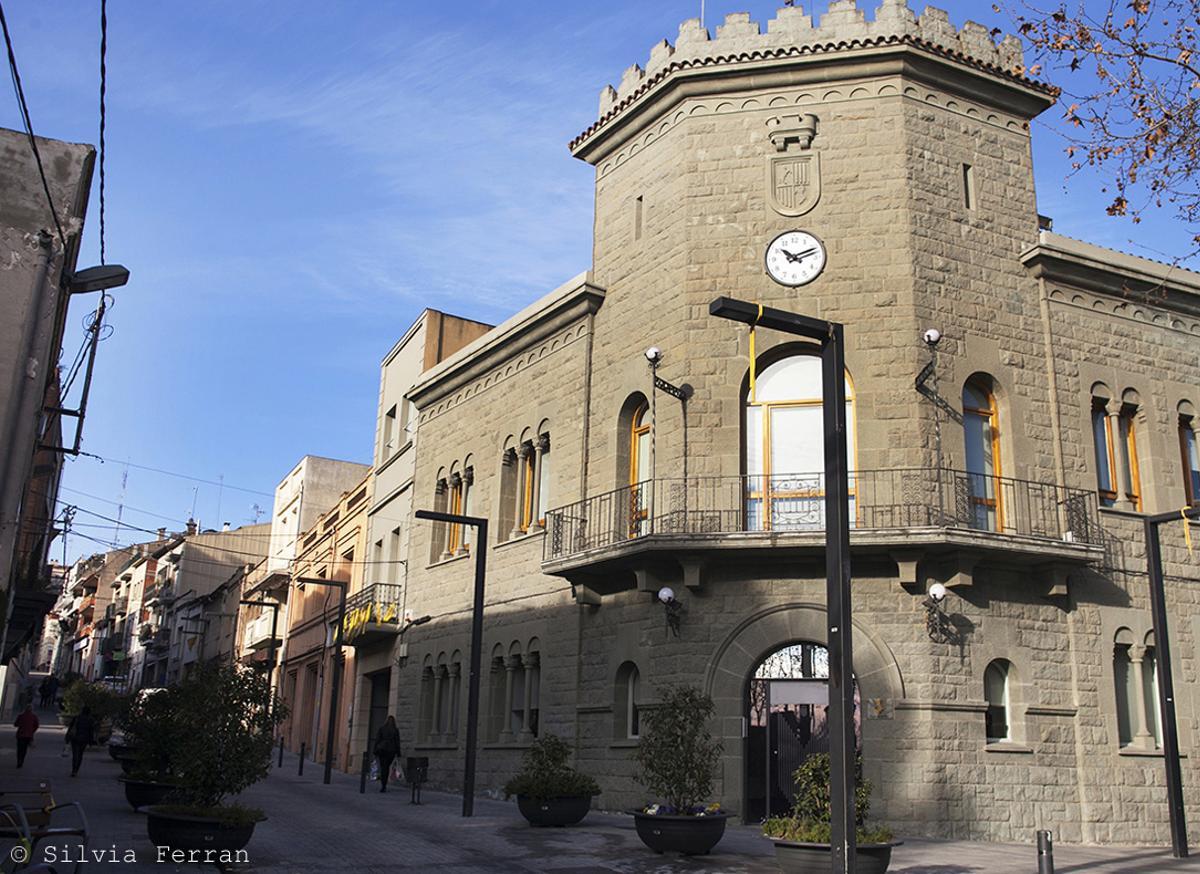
(301, 582)
(480, 545)
(1166, 682)
(830, 337)
(674, 609)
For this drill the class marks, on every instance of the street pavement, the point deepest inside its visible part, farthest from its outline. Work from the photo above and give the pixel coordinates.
(313, 827)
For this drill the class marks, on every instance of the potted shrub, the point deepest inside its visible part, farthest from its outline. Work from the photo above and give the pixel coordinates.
(549, 791)
(106, 705)
(151, 733)
(223, 719)
(678, 756)
(802, 838)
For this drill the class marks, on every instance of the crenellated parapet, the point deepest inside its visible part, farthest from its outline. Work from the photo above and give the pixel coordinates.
(793, 33)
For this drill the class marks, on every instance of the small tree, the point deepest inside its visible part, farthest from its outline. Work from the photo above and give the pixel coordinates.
(545, 773)
(1131, 95)
(153, 730)
(678, 754)
(223, 721)
(812, 811)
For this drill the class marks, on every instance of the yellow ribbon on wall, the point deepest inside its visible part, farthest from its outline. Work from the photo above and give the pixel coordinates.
(753, 355)
(1187, 527)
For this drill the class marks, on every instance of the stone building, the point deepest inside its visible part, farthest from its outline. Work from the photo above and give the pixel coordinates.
(1011, 461)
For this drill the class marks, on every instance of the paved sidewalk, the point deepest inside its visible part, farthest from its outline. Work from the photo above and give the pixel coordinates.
(318, 828)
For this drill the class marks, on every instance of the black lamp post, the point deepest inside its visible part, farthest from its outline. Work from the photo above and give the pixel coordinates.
(301, 582)
(829, 335)
(481, 527)
(1166, 682)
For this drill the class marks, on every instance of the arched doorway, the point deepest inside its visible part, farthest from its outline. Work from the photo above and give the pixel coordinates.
(787, 702)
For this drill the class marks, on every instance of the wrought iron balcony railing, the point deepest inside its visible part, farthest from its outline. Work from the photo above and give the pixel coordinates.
(372, 608)
(784, 503)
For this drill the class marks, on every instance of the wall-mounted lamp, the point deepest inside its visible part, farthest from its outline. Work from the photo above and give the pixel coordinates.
(937, 623)
(932, 337)
(654, 355)
(673, 608)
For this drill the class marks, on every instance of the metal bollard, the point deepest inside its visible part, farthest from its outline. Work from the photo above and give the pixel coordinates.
(1045, 844)
(300, 773)
(366, 767)
(281, 751)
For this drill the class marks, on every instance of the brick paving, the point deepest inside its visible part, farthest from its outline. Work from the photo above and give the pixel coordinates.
(313, 827)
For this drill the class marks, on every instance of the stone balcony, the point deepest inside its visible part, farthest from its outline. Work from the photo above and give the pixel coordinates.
(927, 524)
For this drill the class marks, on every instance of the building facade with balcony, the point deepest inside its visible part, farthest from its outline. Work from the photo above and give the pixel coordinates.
(1011, 462)
(328, 566)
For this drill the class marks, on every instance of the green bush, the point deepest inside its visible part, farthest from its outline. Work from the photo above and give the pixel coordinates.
(222, 723)
(812, 810)
(545, 773)
(107, 706)
(153, 731)
(677, 753)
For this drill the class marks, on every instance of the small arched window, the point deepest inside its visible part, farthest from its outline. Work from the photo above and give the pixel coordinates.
(1131, 476)
(628, 693)
(1102, 438)
(640, 468)
(981, 436)
(998, 722)
(1189, 451)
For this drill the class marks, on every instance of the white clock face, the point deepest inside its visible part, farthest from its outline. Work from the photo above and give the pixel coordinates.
(795, 258)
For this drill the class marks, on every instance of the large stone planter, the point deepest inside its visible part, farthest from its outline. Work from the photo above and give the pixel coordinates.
(143, 793)
(690, 835)
(567, 810)
(185, 832)
(794, 857)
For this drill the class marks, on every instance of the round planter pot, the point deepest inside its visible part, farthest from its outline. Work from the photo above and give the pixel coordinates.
(184, 832)
(143, 793)
(690, 835)
(794, 857)
(128, 764)
(567, 810)
(121, 751)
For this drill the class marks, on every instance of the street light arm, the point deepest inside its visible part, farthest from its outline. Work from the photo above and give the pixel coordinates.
(452, 518)
(769, 317)
(1192, 512)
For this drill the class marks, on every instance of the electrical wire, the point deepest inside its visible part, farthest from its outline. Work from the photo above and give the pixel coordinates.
(103, 88)
(194, 479)
(24, 107)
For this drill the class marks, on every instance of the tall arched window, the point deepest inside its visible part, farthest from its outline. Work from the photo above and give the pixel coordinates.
(997, 719)
(640, 473)
(628, 693)
(1189, 451)
(1131, 476)
(1102, 438)
(981, 435)
(785, 447)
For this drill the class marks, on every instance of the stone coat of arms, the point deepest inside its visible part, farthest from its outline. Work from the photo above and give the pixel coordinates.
(793, 177)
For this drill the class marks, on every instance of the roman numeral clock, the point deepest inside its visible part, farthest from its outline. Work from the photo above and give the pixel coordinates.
(795, 258)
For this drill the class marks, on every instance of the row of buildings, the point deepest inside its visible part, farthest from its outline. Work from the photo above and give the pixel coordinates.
(664, 524)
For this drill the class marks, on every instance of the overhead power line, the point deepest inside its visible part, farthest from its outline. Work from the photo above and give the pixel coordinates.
(195, 479)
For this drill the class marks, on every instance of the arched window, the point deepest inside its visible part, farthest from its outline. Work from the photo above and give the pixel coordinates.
(1102, 437)
(981, 435)
(997, 720)
(628, 693)
(1131, 476)
(1189, 451)
(785, 447)
(1139, 724)
(640, 474)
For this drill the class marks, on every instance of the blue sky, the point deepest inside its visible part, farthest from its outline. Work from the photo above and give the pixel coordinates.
(291, 183)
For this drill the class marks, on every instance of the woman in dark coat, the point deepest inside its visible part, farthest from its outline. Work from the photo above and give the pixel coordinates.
(387, 748)
(80, 735)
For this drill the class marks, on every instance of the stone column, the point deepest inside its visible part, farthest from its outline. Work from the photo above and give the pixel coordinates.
(1138, 718)
(435, 727)
(510, 666)
(451, 730)
(1120, 457)
(530, 662)
(518, 491)
(454, 532)
(440, 530)
(542, 448)
(468, 480)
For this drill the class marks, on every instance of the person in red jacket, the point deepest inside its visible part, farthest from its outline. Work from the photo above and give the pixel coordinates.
(27, 724)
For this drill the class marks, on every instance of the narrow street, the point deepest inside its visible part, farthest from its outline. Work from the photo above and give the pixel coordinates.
(313, 827)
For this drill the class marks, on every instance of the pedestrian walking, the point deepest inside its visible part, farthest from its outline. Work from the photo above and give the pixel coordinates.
(81, 734)
(44, 693)
(387, 748)
(27, 725)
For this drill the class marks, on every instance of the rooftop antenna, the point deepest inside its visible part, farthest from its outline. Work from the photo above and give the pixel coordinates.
(701, 14)
(195, 490)
(220, 491)
(121, 503)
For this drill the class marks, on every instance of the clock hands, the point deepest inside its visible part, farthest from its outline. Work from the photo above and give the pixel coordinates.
(800, 256)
